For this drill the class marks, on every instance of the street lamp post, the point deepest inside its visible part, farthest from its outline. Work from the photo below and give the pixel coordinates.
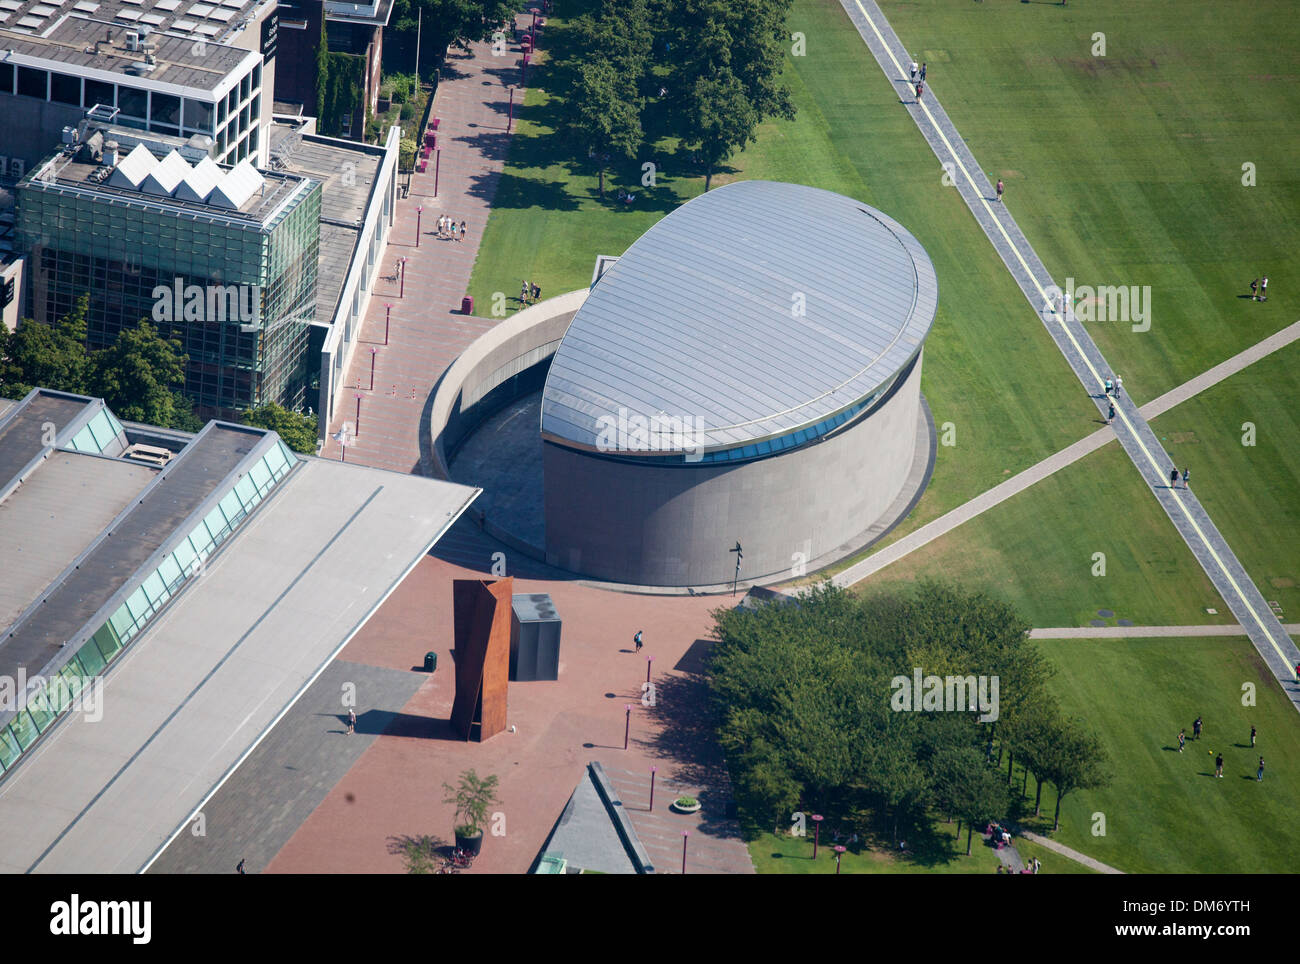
(402, 290)
(419, 213)
(817, 832)
(627, 729)
(510, 114)
(356, 433)
(388, 316)
(735, 579)
(839, 852)
(685, 834)
(648, 661)
(373, 351)
(653, 771)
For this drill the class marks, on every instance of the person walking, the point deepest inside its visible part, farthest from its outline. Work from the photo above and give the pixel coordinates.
(1254, 289)
(537, 293)
(462, 230)
(1187, 475)
(1000, 189)
(920, 89)
(1196, 729)
(914, 71)
(1110, 416)
(637, 639)
(1263, 288)
(239, 867)
(923, 73)
(1182, 740)
(1119, 384)
(1173, 478)
(1259, 774)
(523, 294)
(1218, 766)
(352, 720)
(1252, 737)
(1109, 385)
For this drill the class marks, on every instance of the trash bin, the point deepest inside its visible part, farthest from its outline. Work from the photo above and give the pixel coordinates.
(430, 662)
(467, 305)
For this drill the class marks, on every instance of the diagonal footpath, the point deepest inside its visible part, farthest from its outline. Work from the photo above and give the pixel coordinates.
(1057, 461)
(1135, 435)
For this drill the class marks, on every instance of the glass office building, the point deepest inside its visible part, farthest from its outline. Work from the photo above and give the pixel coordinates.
(124, 247)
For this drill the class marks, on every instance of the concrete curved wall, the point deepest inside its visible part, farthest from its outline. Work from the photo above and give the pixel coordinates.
(480, 380)
(672, 526)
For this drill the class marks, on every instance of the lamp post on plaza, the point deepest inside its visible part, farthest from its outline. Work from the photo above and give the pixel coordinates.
(839, 852)
(356, 432)
(510, 113)
(653, 771)
(402, 290)
(419, 213)
(388, 316)
(627, 729)
(817, 832)
(373, 351)
(685, 835)
(341, 436)
(648, 661)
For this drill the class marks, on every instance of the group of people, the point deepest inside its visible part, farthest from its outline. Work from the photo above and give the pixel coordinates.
(1259, 288)
(529, 293)
(448, 228)
(918, 79)
(1218, 760)
(1173, 478)
(1113, 385)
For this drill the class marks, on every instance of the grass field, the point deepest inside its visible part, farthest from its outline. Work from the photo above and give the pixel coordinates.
(1051, 861)
(990, 368)
(1036, 550)
(1251, 491)
(784, 854)
(1126, 169)
(1165, 812)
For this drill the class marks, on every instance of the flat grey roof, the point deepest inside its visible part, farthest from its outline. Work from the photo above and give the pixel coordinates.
(51, 518)
(21, 437)
(700, 319)
(190, 478)
(177, 59)
(211, 674)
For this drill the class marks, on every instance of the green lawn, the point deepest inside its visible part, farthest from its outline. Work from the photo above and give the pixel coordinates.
(990, 369)
(1165, 812)
(1251, 491)
(784, 854)
(1051, 862)
(1036, 550)
(1127, 169)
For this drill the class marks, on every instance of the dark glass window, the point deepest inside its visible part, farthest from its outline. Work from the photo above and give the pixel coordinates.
(6, 78)
(65, 89)
(31, 83)
(132, 101)
(198, 115)
(98, 92)
(257, 75)
(165, 109)
(244, 88)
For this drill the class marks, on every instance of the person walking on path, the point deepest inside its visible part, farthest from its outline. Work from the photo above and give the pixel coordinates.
(1182, 740)
(352, 720)
(239, 867)
(1119, 384)
(1218, 766)
(1196, 729)
(922, 73)
(462, 230)
(637, 639)
(1187, 475)
(1259, 774)
(1173, 478)
(1000, 189)
(914, 71)
(1252, 737)
(1109, 385)
(920, 89)
(1110, 416)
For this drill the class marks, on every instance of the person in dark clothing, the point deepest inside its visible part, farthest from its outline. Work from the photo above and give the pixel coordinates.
(1196, 729)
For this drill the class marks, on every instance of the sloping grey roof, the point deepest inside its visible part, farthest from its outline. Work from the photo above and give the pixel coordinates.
(698, 319)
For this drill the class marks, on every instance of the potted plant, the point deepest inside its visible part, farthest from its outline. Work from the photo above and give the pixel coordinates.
(471, 797)
(686, 805)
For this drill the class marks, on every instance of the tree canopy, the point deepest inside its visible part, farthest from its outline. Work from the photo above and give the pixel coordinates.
(298, 431)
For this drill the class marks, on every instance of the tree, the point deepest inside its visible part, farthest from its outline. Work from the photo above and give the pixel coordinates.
(471, 797)
(1075, 760)
(603, 113)
(718, 120)
(297, 430)
(47, 356)
(449, 23)
(137, 376)
(967, 787)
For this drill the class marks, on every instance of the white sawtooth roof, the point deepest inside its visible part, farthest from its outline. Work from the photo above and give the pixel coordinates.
(134, 168)
(199, 182)
(166, 175)
(239, 184)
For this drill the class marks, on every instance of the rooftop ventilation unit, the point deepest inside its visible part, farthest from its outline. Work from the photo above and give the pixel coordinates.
(148, 454)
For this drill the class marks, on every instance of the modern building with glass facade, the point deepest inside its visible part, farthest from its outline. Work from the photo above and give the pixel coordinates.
(167, 599)
(747, 373)
(232, 277)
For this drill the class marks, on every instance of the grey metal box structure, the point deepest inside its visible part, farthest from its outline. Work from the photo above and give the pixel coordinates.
(534, 638)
